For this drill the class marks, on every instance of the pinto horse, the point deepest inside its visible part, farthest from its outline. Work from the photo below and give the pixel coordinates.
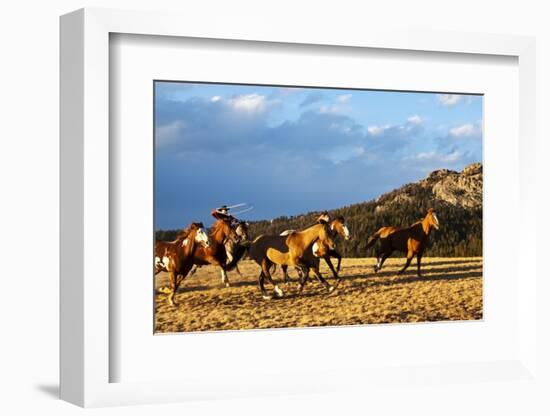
(412, 240)
(234, 249)
(221, 235)
(320, 250)
(176, 257)
(267, 250)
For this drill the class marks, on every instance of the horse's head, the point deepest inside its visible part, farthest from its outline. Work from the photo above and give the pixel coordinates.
(339, 226)
(432, 219)
(325, 236)
(241, 229)
(201, 237)
(324, 217)
(224, 232)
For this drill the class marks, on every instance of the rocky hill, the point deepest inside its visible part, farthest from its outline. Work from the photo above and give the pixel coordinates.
(460, 189)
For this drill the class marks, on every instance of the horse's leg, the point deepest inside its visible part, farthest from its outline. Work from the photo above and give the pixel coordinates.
(276, 288)
(418, 261)
(194, 270)
(172, 294)
(378, 265)
(238, 271)
(410, 256)
(261, 284)
(225, 280)
(183, 273)
(266, 265)
(284, 268)
(303, 276)
(336, 255)
(382, 259)
(326, 284)
(331, 267)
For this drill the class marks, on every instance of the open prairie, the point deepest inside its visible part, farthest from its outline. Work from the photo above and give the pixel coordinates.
(451, 289)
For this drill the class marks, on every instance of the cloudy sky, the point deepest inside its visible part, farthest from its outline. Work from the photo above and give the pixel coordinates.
(291, 150)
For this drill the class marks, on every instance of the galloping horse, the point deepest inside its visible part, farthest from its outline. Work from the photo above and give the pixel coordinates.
(221, 234)
(234, 249)
(319, 250)
(176, 257)
(161, 247)
(412, 240)
(267, 250)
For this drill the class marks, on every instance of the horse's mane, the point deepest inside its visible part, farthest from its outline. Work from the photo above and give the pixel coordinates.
(182, 235)
(218, 226)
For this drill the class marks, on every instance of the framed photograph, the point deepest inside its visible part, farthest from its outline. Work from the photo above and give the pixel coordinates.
(269, 213)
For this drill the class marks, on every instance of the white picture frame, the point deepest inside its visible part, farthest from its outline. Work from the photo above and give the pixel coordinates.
(85, 355)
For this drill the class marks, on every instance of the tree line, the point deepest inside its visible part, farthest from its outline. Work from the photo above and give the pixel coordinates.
(459, 235)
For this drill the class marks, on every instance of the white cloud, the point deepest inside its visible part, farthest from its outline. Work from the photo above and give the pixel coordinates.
(251, 103)
(416, 119)
(331, 109)
(378, 130)
(343, 98)
(215, 98)
(433, 159)
(448, 100)
(466, 130)
(338, 155)
(437, 157)
(169, 133)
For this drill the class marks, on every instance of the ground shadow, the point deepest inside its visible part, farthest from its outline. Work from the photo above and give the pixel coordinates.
(51, 390)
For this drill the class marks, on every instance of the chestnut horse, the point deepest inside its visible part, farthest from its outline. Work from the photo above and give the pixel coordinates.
(412, 240)
(233, 249)
(221, 235)
(267, 250)
(176, 257)
(319, 250)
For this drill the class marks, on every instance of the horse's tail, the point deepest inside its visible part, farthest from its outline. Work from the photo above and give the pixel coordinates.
(239, 253)
(373, 238)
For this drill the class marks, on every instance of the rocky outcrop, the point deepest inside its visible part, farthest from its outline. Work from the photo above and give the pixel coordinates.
(463, 189)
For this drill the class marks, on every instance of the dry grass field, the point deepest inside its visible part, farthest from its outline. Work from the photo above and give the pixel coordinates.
(451, 289)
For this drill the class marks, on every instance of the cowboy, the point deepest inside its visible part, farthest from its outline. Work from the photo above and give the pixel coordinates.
(222, 213)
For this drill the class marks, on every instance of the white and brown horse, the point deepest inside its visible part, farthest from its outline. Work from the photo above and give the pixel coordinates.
(222, 234)
(267, 250)
(176, 257)
(235, 247)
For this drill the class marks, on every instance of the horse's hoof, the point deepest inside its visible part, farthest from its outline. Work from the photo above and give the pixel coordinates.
(267, 297)
(278, 292)
(375, 269)
(227, 284)
(330, 289)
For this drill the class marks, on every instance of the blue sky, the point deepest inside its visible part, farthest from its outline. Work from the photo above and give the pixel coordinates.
(291, 150)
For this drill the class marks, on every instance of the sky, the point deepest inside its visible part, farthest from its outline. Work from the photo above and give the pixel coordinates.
(287, 150)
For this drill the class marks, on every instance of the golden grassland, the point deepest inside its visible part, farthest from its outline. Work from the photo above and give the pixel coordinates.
(451, 289)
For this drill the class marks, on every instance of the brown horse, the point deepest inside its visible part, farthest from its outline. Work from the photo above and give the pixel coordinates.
(235, 248)
(290, 250)
(221, 235)
(176, 257)
(320, 250)
(412, 240)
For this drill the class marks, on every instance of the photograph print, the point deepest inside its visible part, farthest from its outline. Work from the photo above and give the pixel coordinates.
(292, 207)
